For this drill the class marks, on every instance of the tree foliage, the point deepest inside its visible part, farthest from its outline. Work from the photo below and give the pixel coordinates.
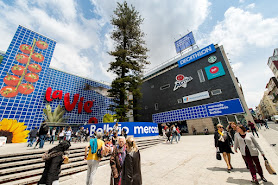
(130, 58)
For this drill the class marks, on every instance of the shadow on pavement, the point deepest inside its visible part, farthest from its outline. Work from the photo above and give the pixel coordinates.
(225, 169)
(243, 181)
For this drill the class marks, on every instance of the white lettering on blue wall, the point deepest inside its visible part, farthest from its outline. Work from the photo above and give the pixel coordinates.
(197, 55)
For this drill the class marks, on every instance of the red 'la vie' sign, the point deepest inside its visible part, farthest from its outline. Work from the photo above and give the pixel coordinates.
(69, 106)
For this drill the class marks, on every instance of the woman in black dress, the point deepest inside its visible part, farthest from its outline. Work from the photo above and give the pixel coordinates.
(223, 142)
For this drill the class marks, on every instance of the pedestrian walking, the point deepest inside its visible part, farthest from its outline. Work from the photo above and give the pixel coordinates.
(61, 135)
(231, 129)
(92, 157)
(54, 158)
(174, 134)
(194, 131)
(32, 136)
(252, 128)
(206, 131)
(265, 124)
(168, 134)
(68, 134)
(42, 133)
(86, 134)
(179, 133)
(114, 138)
(223, 143)
(53, 134)
(116, 128)
(258, 123)
(249, 147)
(117, 160)
(132, 164)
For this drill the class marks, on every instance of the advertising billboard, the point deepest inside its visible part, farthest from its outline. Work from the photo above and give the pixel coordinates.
(209, 76)
(197, 55)
(215, 70)
(136, 129)
(31, 92)
(227, 107)
(185, 42)
(196, 97)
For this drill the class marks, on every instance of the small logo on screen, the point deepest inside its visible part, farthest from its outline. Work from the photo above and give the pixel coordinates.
(179, 77)
(214, 69)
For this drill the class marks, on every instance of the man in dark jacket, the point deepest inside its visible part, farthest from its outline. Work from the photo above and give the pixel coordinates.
(32, 136)
(42, 133)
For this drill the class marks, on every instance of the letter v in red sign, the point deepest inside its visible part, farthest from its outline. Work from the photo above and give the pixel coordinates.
(70, 106)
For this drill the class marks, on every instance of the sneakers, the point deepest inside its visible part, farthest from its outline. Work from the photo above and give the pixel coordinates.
(263, 179)
(255, 181)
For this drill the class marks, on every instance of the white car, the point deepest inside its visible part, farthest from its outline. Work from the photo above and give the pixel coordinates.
(275, 118)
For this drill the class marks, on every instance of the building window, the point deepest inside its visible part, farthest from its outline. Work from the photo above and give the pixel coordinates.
(152, 86)
(216, 92)
(165, 87)
(179, 100)
(156, 106)
(201, 75)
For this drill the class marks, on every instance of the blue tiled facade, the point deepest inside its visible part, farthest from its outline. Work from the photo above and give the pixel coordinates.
(29, 108)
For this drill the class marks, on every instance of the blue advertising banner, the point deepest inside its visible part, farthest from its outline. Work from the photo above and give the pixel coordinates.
(232, 106)
(136, 129)
(225, 107)
(185, 42)
(215, 70)
(197, 55)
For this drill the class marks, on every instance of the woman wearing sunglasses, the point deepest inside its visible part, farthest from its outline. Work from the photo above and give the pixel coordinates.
(223, 142)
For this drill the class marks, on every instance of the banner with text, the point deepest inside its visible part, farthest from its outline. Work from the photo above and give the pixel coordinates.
(136, 129)
(197, 55)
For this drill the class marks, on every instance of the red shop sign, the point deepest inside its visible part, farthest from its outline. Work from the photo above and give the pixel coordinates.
(69, 106)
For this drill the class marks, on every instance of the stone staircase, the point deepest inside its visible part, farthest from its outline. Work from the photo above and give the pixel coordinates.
(27, 167)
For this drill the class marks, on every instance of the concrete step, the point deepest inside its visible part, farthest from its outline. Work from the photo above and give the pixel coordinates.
(30, 170)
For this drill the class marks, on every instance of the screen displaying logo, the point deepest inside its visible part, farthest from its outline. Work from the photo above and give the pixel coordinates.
(185, 42)
(181, 81)
(215, 70)
(212, 59)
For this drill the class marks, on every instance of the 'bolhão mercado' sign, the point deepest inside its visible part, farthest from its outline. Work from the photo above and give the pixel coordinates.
(197, 55)
(136, 129)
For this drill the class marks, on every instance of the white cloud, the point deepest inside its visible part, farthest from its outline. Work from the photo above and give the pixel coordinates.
(249, 38)
(236, 66)
(250, 6)
(164, 22)
(78, 39)
(241, 1)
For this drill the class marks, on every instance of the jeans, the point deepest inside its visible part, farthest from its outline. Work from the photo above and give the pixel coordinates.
(32, 140)
(52, 139)
(42, 138)
(254, 130)
(92, 169)
(174, 136)
(179, 136)
(68, 138)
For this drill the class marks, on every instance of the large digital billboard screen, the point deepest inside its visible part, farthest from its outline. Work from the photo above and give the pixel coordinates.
(185, 42)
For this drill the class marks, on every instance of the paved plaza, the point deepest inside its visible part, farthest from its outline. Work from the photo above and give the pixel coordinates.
(191, 161)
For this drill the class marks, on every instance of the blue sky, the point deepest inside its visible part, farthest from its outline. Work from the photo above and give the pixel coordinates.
(247, 29)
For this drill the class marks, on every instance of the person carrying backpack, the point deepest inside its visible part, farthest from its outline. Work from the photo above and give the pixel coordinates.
(93, 157)
(42, 133)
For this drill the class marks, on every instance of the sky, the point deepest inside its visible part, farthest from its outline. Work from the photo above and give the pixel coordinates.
(247, 29)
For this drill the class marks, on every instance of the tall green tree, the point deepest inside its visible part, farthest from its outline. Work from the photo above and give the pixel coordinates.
(130, 59)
